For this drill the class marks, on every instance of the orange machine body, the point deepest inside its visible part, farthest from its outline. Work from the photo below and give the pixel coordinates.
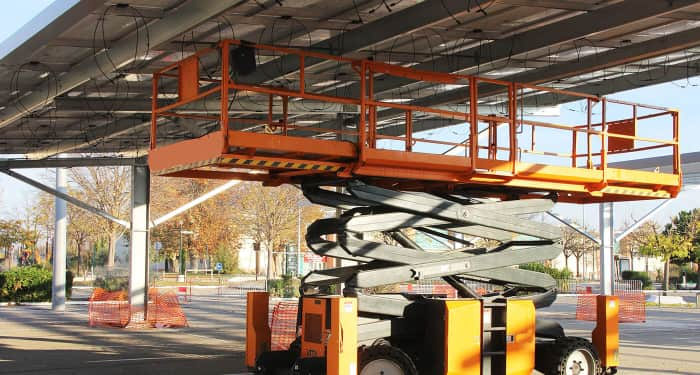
(258, 334)
(520, 337)
(329, 329)
(462, 337)
(606, 335)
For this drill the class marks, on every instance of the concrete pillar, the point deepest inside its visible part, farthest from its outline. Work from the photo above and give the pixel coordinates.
(606, 248)
(58, 286)
(138, 244)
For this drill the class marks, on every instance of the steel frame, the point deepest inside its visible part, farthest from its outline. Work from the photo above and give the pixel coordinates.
(281, 157)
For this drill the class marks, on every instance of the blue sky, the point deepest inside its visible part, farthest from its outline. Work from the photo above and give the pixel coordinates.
(17, 13)
(682, 95)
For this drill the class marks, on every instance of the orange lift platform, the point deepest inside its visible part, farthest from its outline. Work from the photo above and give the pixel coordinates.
(407, 162)
(504, 150)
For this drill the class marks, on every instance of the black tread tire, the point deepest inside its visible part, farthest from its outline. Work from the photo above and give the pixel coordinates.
(551, 358)
(381, 349)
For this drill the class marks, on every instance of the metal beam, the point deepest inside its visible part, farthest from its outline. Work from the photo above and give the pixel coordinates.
(67, 146)
(637, 80)
(214, 192)
(499, 51)
(627, 82)
(210, 105)
(606, 248)
(417, 17)
(183, 18)
(138, 242)
(614, 57)
(70, 162)
(58, 286)
(575, 227)
(554, 34)
(65, 197)
(92, 136)
(587, 64)
(642, 220)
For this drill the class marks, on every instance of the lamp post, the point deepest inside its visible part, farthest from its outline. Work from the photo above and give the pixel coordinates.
(181, 276)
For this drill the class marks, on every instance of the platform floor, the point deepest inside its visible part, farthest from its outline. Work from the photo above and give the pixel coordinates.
(33, 340)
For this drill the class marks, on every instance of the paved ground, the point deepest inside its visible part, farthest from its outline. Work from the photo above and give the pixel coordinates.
(33, 340)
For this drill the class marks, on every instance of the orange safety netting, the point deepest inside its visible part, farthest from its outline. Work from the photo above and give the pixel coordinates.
(632, 306)
(108, 308)
(112, 309)
(283, 324)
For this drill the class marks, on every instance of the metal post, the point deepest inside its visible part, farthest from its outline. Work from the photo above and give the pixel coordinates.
(268, 275)
(298, 254)
(606, 248)
(181, 275)
(138, 243)
(58, 287)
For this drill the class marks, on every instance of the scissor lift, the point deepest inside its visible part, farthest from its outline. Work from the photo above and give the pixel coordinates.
(372, 162)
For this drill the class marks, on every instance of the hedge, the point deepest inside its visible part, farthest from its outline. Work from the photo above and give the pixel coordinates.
(29, 284)
(287, 287)
(112, 284)
(638, 275)
(555, 273)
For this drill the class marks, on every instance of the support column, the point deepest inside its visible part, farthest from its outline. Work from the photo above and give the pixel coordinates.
(606, 248)
(138, 243)
(58, 286)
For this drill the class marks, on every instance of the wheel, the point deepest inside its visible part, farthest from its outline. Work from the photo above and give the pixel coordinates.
(568, 356)
(381, 358)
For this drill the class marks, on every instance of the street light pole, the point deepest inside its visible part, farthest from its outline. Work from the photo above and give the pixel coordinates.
(181, 276)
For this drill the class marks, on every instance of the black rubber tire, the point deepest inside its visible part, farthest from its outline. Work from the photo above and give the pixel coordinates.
(551, 358)
(381, 349)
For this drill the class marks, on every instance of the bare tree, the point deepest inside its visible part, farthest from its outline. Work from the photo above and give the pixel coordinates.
(107, 188)
(83, 227)
(269, 215)
(39, 216)
(569, 237)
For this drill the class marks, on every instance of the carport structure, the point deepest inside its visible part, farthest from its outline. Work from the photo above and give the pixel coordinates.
(77, 79)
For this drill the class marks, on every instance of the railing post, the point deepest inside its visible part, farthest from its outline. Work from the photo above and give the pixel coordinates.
(573, 148)
(225, 79)
(409, 130)
(372, 110)
(361, 126)
(676, 149)
(285, 113)
(154, 108)
(589, 114)
(269, 111)
(473, 123)
(301, 74)
(513, 112)
(604, 140)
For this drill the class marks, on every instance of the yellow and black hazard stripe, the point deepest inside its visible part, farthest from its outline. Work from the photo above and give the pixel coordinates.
(265, 163)
(185, 167)
(636, 192)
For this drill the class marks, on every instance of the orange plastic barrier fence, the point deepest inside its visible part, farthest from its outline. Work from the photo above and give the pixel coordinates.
(632, 306)
(283, 324)
(112, 309)
(164, 310)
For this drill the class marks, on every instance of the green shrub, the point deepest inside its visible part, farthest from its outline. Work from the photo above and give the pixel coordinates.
(555, 273)
(112, 284)
(638, 275)
(228, 258)
(26, 284)
(287, 287)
